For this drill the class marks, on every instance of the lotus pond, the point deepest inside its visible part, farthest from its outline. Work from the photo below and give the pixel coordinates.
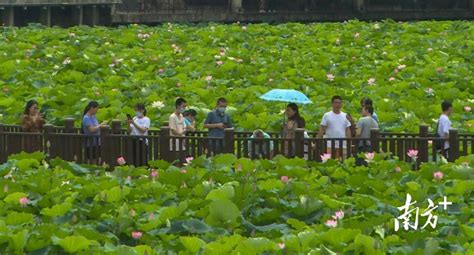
(226, 205)
(406, 68)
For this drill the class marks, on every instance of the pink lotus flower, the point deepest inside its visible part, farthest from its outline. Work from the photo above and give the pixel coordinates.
(401, 67)
(161, 70)
(188, 160)
(184, 171)
(137, 235)
(284, 179)
(331, 223)
(391, 78)
(325, 157)
(430, 91)
(121, 161)
(208, 78)
(369, 156)
(467, 108)
(438, 175)
(398, 169)
(24, 201)
(154, 173)
(371, 81)
(413, 153)
(281, 245)
(219, 63)
(330, 77)
(339, 215)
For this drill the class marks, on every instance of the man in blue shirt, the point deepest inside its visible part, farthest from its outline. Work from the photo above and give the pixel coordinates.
(216, 121)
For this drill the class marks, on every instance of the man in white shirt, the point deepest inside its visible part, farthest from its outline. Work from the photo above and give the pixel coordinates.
(176, 124)
(335, 125)
(444, 124)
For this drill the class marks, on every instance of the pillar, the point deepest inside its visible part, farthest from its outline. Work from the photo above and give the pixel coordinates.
(236, 5)
(359, 5)
(78, 15)
(45, 16)
(8, 17)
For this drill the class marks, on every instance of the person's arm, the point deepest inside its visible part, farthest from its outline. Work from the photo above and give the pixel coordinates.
(41, 121)
(93, 129)
(191, 127)
(323, 127)
(88, 124)
(348, 128)
(26, 122)
(444, 128)
(173, 126)
(359, 127)
(141, 129)
(208, 123)
(322, 131)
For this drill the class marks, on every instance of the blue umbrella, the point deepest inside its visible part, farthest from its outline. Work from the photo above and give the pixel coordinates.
(286, 95)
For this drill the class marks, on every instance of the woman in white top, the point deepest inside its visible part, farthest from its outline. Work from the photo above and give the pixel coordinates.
(138, 126)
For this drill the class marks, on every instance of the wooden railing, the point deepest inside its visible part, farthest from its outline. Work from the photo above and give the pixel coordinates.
(69, 143)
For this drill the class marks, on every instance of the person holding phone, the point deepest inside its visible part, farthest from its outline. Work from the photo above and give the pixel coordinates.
(91, 130)
(32, 121)
(177, 129)
(216, 121)
(138, 126)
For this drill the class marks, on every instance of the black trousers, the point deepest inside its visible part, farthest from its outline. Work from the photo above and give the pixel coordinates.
(140, 152)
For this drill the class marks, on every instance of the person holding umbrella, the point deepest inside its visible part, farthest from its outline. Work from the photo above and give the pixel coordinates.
(294, 121)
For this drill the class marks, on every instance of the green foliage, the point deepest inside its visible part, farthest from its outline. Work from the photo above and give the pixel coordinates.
(64, 68)
(224, 205)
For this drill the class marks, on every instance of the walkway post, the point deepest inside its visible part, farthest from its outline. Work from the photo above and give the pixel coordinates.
(423, 144)
(299, 142)
(453, 151)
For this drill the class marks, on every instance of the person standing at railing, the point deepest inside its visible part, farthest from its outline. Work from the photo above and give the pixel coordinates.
(177, 129)
(364, 125)
(216, 121)
(294, 121)
(335, 125)
(138, 126)
(91, 128)
(260, 145)
(32, 121)
(442, 128)
(368, 102)
(190, 120)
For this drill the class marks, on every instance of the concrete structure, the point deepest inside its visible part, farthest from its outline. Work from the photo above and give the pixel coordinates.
(109, 12)
(62, 13)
